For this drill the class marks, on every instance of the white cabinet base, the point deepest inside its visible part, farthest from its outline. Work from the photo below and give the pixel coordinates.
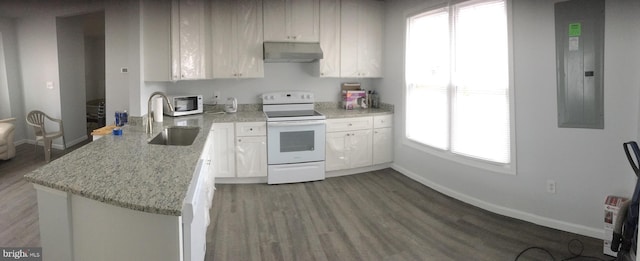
(77, 228)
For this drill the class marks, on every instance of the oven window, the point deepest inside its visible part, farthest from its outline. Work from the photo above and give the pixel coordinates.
(185, 104)
(296, 141)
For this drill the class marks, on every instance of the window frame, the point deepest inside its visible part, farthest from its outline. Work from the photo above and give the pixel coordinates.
(447, 154)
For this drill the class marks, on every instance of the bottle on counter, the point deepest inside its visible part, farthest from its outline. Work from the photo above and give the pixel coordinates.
(375, 100)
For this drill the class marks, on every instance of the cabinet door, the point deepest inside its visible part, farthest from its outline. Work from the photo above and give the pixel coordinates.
(275, 21)
(192, 19)
(382, 146)
(330, 38)
(291, 20)
(336, 151)
(361, 38)
(251, 156)
(349, 38)
(223, 47)
(224, 150)
(360, 148)
(250, 37)
(370, 24)
(304, 20)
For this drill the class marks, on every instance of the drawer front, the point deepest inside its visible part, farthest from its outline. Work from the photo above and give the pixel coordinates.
(349, 124)
(244, 129)
(382, 121)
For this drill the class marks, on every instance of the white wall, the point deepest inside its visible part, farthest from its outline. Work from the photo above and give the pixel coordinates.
(277, 77)
(70, 36)
(122, 44)
(587, 164)
(38, 52)
(39, 64)
(10, 45)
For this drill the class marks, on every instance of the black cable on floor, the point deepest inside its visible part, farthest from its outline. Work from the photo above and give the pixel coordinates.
(575, 248)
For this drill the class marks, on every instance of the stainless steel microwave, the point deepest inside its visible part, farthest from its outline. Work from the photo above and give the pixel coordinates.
(184, 105)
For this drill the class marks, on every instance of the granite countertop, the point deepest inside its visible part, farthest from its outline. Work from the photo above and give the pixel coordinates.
(127, 172)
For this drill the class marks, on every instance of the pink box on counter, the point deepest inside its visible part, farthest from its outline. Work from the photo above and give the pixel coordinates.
(350, 99)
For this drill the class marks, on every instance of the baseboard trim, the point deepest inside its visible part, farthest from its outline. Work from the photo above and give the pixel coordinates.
(338, 173)
(76, 141)
(526, 216)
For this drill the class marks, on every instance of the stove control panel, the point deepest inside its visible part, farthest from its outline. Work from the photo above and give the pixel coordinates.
(287, 97)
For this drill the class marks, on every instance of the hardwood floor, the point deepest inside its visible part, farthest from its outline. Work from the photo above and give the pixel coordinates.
(18, 203)
(380, 215)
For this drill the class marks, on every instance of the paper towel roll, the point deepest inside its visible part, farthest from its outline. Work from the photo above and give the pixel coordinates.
(157, 109)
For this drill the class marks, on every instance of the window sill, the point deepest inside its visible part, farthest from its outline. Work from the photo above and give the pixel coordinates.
(509, 169)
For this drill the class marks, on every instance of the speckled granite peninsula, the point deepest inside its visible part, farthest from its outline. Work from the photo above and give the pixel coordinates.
(127, 172)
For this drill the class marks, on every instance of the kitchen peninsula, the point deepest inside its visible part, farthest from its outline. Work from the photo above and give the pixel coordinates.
(120, 198)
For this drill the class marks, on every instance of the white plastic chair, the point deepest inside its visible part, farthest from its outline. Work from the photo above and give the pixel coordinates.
(37, 120)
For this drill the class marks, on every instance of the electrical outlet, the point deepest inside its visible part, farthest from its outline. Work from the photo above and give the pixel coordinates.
(216, 97)
(551, 186)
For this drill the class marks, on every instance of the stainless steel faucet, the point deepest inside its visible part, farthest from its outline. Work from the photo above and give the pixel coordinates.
(150, 116)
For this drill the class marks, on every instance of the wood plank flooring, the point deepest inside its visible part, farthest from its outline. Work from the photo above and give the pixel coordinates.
(18, 203)
(380, 215)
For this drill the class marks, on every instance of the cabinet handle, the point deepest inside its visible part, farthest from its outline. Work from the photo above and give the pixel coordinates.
(250, 129)
(240, 74)
(348, 134)
(239, 140)
(294, 37)
(350, 124)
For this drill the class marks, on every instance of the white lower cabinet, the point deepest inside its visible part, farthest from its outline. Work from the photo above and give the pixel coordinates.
(251, 149)
(224, 159)
(382, 146)
(348, 143)
(382, 139)
(239, 150)
(358, 142)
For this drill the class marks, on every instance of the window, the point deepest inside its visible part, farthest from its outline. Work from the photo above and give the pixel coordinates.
(457, 80)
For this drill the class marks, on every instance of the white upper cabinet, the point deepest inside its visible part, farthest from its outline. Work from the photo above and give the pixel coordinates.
(237, 38)
(330, 38)
(190, 27)
(291, 21)
(361, 38)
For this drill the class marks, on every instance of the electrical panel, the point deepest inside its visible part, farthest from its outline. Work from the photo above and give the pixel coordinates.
(579, 59)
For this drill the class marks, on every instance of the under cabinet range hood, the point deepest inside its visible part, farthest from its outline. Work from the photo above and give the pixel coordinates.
(287, 52)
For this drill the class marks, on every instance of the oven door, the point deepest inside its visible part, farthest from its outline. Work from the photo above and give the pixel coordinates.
(295, 141)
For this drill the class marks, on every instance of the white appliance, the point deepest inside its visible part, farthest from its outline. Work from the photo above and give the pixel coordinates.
(231, 106)
(295, 137)
(184, 105)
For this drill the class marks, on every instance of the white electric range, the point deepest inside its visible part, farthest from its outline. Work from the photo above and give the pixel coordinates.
(295, 137)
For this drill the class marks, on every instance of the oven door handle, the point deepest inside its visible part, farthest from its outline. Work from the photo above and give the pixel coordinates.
(295, 123)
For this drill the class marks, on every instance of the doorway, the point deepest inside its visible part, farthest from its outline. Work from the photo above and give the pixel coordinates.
(81, 63)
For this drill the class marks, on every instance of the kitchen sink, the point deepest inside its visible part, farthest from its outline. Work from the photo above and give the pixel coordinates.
(176, 135)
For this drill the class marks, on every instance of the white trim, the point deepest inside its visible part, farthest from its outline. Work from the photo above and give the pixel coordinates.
(345, 172)
(74, 142)
(502, 210)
